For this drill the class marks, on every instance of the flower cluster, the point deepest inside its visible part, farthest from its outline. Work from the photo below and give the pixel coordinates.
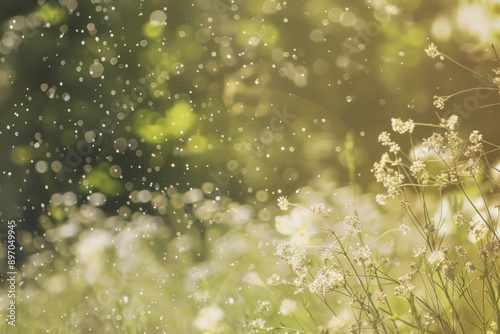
(400, 126)
(477, 230)
(439, 101)
(326, 280)
(414, 168)
(432, 51)
(363, 256)
(283, 203)
(386, 173)
(353, 223)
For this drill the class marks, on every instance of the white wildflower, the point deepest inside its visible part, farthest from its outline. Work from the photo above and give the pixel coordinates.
(450, 123)
(459, 218)
(326, 280)
(381, 199)
(400, 126)
(432, 51)
(470, 267)
(363, 256)
(439, 101)
(353, 223)
(477, 230)
(257, 325)
(436, 257)
(264, 306)
(283, 203)
(419, 171)
(385, 138)
(406, 229)
(436, 143)
(275, 279)
(294, 254)
(419, 251)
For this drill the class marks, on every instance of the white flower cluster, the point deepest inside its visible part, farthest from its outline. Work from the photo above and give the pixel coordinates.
(439, 101)
(363, 256)
(400, 126)
(386, 174)
(295, 255)
(477, 230)
(432, 51)
(326, 280)
(419, 171)
(476, 144)
(353, 223)
(283, 203)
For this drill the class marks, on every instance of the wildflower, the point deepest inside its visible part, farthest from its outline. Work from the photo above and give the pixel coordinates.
(470, 267)
(406, 278)
(459, 218)
(390, 178)
(402, 127)
(476, 146)
(432, 51)
(436, 258)
(394, 148)
(283, 203)
(353, 223)
(384, 138)
(477, 230)
(450, 123)
(326, 280)
(491, 250)
(326, 256)
(363, 256)
(300, 283)
(406, 229)
(475, 137)
(448, 177)
(381, 199)
(294, 254)
(439, 101)
(264, 306)
(419, 171)
(380, 296)
(448, 269)
(317, 209)
(288, 306)
(419, 251)
(435, 143)
(461, 251)
(404, 290)
(257, 325)
(275, 279)
(473, 165)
